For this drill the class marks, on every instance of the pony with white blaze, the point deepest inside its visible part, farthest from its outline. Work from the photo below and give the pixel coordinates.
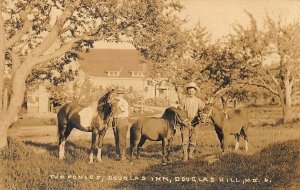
(95, 118)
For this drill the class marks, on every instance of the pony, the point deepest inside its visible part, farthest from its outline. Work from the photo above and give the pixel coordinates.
(232, 123)
(95, 118)
(156, 129)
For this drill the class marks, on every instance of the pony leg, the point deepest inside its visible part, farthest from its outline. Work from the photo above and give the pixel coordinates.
(135, 136)
(100, 143)
(164, 151)
(131, 150)
(237, 139)
(169, 149)
(224, 142)
(221, 139)
(61, 138)
(244, 133)
(139, 146)
(64, 132)
(61, 153)
(93, 146)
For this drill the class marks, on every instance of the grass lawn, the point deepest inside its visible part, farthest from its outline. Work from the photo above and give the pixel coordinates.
(272, 162)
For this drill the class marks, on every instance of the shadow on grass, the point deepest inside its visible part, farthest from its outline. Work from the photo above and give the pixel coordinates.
(73, 151)
(272, 167)
(80, 150)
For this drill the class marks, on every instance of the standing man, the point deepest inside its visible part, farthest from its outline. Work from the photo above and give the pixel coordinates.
(120, 125)
(193, 106)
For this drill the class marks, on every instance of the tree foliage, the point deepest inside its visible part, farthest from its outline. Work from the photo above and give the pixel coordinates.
(37, 36)
(270, 57)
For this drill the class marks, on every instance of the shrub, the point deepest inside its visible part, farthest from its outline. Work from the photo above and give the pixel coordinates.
(157, 102)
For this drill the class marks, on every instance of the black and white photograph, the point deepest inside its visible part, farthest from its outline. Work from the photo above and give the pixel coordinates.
(149, 94)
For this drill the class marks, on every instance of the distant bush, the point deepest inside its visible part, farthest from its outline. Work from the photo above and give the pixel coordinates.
(157, 102)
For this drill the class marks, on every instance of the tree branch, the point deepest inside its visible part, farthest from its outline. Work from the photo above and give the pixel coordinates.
(273, 78)
(62, 50)
(54, 32)
(27, 25)
(57, 53)
(264, 85)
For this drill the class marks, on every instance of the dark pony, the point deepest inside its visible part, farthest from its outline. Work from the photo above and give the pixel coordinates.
(232, 123)
(156, 129)
(95, 118)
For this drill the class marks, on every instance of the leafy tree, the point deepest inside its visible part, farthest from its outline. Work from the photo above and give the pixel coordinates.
(81, 92)
(35, 32)
(270, 58)
(185, 64)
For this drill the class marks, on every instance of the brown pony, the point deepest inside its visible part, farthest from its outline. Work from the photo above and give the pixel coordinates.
(234, 123)
(95, 119)
(156, 129)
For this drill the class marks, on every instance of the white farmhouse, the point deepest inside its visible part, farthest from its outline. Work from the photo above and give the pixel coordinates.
(106, 68)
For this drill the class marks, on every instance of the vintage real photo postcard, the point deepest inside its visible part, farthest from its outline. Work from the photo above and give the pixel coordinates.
(149, 94)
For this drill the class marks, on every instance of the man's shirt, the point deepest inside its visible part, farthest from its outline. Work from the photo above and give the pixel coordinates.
(192, 105)
(123, 108)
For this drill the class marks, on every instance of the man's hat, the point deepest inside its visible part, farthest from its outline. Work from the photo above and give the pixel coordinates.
(120, 91)
(192, 85)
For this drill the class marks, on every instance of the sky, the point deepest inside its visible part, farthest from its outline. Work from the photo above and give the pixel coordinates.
(218, 16)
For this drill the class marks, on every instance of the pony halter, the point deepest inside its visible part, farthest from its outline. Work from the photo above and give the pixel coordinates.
(177, 118)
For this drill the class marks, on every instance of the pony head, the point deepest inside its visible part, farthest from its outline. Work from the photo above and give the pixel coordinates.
(176, 115)
(107, 104)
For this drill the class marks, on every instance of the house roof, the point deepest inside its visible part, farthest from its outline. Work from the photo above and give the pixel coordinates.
(98, 62)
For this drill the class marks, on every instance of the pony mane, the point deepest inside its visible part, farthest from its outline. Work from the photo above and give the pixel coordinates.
(168, 113)
(104, 106)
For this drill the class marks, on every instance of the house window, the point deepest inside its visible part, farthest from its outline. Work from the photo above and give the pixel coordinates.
(137, 73)
(113, 73)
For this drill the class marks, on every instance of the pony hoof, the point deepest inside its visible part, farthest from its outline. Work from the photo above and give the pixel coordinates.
(164, 163)
(131, 162)
(91, 162)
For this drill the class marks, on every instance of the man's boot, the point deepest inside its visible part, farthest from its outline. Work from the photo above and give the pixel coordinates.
(185, 153)
(191, 152)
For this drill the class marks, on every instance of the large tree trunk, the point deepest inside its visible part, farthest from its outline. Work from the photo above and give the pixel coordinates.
(287, 107)
(21, 71)
(10, 112)
(3, 135)
(3, 130)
